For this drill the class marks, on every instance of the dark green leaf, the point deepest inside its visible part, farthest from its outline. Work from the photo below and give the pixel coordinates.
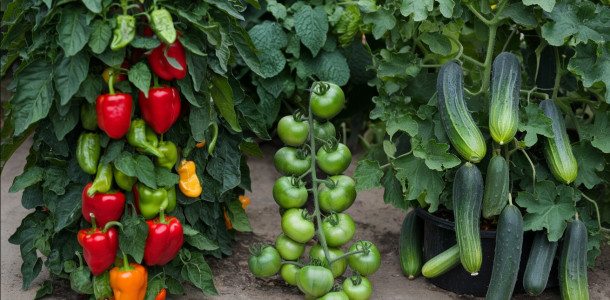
(95, 6)
(592, 66)
(420, 182)
(64, 124)
(580, 21)
(437, 42)
(34, 96)
(100, 36)
(68, 207)
(238, 216)
(74, 30)
(590, 163)
(198, 272)
(112, 151)
(101, 286)
(45, 289)
(145, 171)
(165, 178)
(90, 88)
(200, 242)
(80, 281)
(224, 165)
(367, 175)
(133, 236)
(311, 25)
(28, 178)
(393, 193)
(56, 180)
(222, 94)
(140, 76)
(534, 122)
(70, 72)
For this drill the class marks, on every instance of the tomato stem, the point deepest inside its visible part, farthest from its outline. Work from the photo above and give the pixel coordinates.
(314, 179)
(287, 262)
(346, 255)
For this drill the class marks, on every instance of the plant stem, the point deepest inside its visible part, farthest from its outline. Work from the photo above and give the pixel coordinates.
(557, 74)
(531, 165)
(346, 255)
(473, 60)
(479, 16)
(544, 96)
(491, 42)
(395, 158)
(287, 262)
(314, 180)
(599, 222)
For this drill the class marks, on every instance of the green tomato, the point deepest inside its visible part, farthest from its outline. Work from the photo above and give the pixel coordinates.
(315, 281)
(292, 132)
(289, 273)
(326, 100)
(291, 161)
(338, 267)
(357, 288)
(365, 263)
(288, 249)
(264, 261)
(334, 161)
(338, 229)
(296, 224)
(339, 295)
(340, 197)
(289, 192)
(324, 131)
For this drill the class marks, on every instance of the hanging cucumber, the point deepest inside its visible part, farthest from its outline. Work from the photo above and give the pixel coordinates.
(557, 150)
(573, 263)
(467, 197)
(539, 264)
(496, 195)
(507, 255)
(461, 129)
(504, 103)
(410, 245)
(442, 263)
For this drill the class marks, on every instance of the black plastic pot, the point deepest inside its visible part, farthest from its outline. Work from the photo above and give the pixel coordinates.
(439, 235)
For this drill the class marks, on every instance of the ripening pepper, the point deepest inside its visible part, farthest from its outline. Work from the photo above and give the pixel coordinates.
(103, 180)
(161, 109)
(164, 240)
(99, 246)
(151, 201)
(161, 295)
(228, 223)
(114, 112)
(88, 116)
(176, 69)
(244, 200)
(129, 281)
(106, 206)
(163, 25)
(189, 182)
(124, 181)
(124, 32)
(142, 141)
(88, 150)
(170, 155)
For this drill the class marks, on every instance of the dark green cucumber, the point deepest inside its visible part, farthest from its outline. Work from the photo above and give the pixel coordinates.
(410, 245)
(507, 255)
(496, 195)
(467, 198)
(573, 263)
(539, 264)
(461, 129)
(557, 150)
(442, 263)
(504, 103)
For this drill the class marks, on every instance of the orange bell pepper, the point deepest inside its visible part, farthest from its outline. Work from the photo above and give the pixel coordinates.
(245, 201)
(189, 182)
(161, 295)
(129, 281)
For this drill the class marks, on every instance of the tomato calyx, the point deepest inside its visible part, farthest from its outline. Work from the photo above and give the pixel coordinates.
(331, 144)
(331, 184)
(320, 88)
(257, 249)
(299, 116)
(356, 279)
(306, 215)
(364, 247)
(296, 181)
(332, 219)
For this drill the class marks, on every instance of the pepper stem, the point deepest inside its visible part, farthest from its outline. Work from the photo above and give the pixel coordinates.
(93, 223)
(80, 259)
(110, 224)
(162, 216)
(155, 81)
(111, 83)
(126, 266)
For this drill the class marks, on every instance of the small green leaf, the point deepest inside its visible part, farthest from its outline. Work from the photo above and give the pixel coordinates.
(590, 163)
(145, 171)
(100, 36)
(534, 122)
(112, 151)
(437, 42)
(165, 178)
(95, 6)
(28, 178)
(311, 25)
(80, 280)
(222, 94)
(436, 155)
(198, 272)
(238, 216)
(133, 236)
(419, 180)
(418, 8)
(367, 175)
(201, 242)
(392, 192)
(382, 21)
(546, 5)
(68, 208)
(45, 289)
(101, 286)
(580, 21)
(140, 76)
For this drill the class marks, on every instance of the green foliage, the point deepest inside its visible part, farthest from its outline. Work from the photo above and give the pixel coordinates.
(563, 49)
(55, 52)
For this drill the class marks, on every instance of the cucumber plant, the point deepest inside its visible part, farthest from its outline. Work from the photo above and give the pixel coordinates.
(320, 220)
(496, 85)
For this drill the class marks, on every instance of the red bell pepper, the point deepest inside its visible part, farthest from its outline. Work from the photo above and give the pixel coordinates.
(161, 109)
(165, 238)
(107, 207)
(114, 112)
(159, 61)
(99, 246)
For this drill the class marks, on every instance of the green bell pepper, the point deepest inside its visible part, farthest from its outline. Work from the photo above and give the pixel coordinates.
(88, 116)
(103, 180)
(163, 25)
(124, 32)
(151, 201)
(88, 150)
(124, 181)
(170, 155)
(138, 137)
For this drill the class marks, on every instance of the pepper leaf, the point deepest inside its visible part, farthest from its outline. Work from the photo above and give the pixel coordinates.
(28, 178)
(238, 216)
(34, 96)
(222, 94)
(140, 76)
(133, 236)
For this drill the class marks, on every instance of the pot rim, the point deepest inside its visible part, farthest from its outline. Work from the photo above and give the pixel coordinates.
(444, 223)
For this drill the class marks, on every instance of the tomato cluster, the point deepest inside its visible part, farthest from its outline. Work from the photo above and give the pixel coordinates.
(326, 228)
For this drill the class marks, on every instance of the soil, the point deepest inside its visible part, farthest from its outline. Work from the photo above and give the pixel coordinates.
(376, 221)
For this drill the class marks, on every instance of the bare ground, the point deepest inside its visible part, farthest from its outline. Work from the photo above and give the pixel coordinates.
(376, 221)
